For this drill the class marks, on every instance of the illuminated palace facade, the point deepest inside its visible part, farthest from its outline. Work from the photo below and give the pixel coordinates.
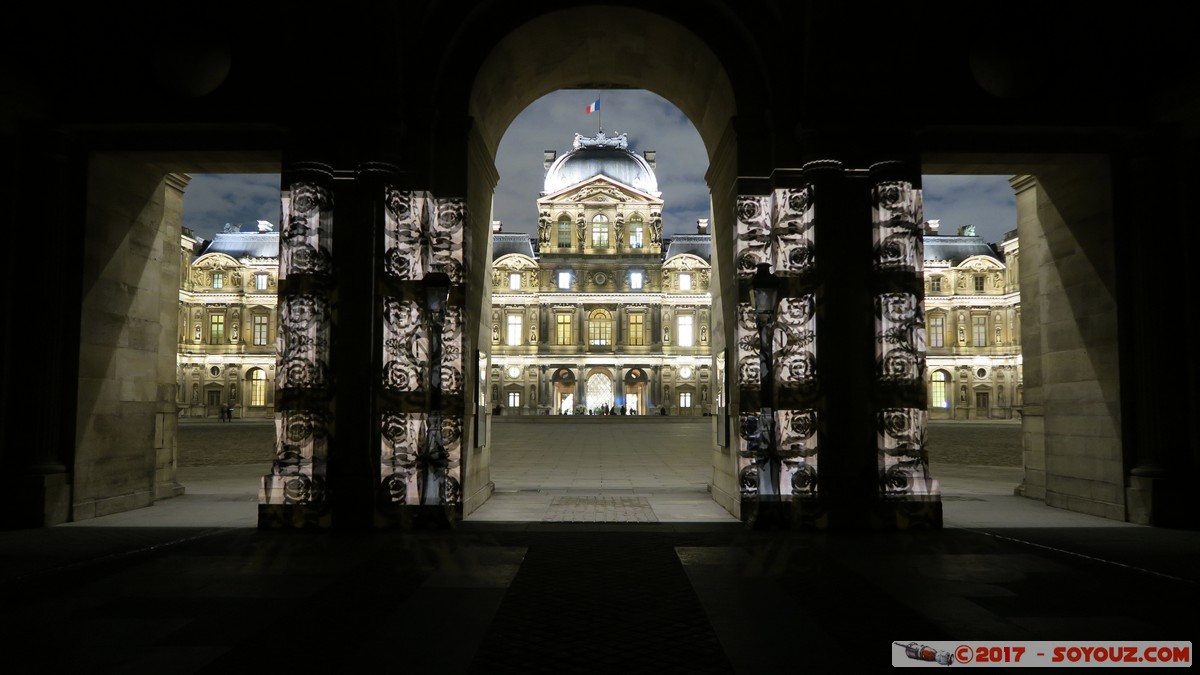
(973, 325)
(598, 311)
(227, 324)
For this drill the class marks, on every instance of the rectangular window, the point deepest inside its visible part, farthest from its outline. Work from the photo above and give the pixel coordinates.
(216, 329)
(685, 399)
(937, 325)
(514, 330)
(979, 326)
(514, 399)
(218, 280)
(637, 329)
(599, 332)
(599, 235)
(564, 280)
(979, 284)
(684, 335)
(562, 325)
(635, 236)
(685, 282)
(937, 391)
(635, 280)
(260, 282)
(935, 285)
(514, 281)
(260, 329)
(564, 234)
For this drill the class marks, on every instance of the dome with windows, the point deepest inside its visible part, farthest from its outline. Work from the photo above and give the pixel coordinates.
(601, 156)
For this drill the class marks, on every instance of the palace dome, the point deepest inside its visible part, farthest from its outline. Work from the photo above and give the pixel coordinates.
(601, 156)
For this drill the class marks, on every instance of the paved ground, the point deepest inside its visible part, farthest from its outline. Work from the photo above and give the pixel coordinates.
(189, 585)
(207, 442)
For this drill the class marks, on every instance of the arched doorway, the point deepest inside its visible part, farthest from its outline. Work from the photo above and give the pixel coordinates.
(683, 69)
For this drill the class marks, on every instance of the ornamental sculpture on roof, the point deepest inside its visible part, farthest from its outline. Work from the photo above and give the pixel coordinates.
(601, 141)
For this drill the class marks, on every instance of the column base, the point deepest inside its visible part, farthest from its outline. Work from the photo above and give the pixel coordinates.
(1159, 501)
(415, 517)
(294, 516)
(909, 513)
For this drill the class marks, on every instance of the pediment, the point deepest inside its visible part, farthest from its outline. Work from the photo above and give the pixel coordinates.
(515, 261)
(981, 263)
(685, 262)
(215, 261)
(599, 189)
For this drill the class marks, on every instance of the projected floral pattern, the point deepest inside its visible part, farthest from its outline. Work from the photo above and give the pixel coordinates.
(903, 461)
(302, 417)
(421, 441)
(897, 220)
(792, 240)
(777, 448)
(900, 338)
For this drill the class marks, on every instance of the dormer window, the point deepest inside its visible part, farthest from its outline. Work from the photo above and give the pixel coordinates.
(514, 281)
(979, 279)
(636, 229)
(218, 280)
(685, 281)
(564, 281)
(635, 280)
(260, 281)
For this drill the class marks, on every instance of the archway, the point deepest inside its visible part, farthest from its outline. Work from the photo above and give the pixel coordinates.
(681, 68)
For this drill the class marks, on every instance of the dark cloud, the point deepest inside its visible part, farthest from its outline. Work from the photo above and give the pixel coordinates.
(652, 123)
(212, 200)
(551, 122)
(987, 202)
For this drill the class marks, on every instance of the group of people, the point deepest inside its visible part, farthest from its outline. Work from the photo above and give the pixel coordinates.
(606, 409)
(225, 413)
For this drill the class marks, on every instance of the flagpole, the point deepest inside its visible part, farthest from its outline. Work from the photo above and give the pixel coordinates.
(599, 116)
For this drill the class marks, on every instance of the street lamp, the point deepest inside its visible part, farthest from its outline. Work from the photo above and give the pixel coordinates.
(764, 293)
(435, 460)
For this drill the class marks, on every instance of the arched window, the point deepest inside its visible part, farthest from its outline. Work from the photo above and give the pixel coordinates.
(636, 230)
(258, 387)
(564, 231)
(599, 328)
(937, 390)
(600, 231)
(599, 391)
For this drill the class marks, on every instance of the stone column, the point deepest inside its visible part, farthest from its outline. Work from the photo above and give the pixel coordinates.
(846, 433)
(295, 493)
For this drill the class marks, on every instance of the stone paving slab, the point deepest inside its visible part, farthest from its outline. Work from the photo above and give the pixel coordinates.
(600, 509)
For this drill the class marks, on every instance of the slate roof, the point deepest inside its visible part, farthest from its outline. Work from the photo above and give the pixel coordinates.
(504, 243)
(699, 245)
(244, 245)
(956, 249)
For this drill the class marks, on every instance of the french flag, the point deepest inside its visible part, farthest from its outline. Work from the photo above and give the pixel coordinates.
(593, 107)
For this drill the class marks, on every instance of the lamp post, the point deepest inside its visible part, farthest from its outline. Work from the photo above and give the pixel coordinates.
(763, 297)
(435, 460)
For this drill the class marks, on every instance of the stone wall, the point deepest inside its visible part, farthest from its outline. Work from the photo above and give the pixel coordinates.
(125, 428)
(1072, 422)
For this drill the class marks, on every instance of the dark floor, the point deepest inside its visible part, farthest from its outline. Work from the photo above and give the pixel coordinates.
(175, 589)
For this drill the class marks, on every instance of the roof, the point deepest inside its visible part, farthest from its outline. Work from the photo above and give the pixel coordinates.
(244, 244)
(956, 249)
(504, 243)
(600, 156)
(699, 245)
